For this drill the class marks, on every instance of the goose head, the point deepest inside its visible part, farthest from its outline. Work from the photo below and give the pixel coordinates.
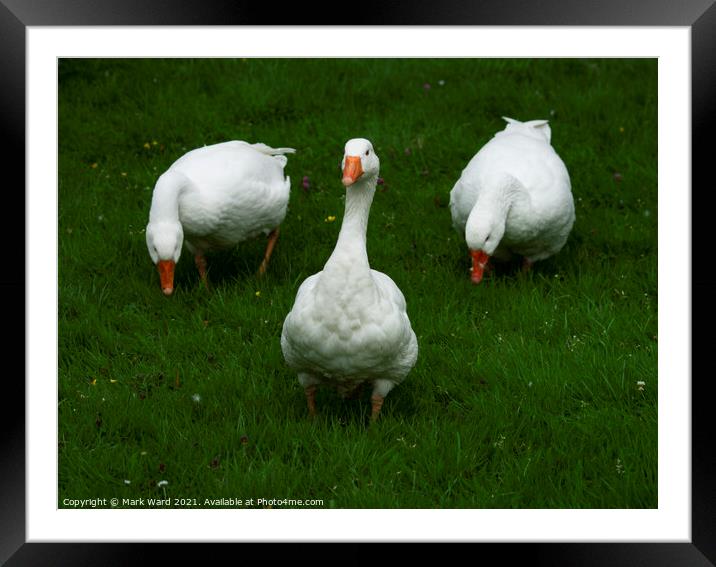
(483, 233)
(164, 241)
(359, 162)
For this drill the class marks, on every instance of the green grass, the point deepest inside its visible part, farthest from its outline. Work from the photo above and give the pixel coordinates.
(525, 391)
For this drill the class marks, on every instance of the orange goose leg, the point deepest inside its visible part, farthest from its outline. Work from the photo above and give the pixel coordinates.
(272, 238)
(200, 262)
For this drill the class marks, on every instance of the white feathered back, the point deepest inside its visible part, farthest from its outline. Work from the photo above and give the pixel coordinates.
(534, 128)
(275, 152)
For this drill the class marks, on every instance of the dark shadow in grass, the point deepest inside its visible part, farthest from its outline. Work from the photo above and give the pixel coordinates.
(352, 412)
(400, 404)
(512, 271)
(226, 267)
(498, 271)
(186, 275)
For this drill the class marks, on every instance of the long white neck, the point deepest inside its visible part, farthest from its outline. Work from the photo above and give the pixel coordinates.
(165, 199)
(489, 213)
(350, 253)
(492, 202)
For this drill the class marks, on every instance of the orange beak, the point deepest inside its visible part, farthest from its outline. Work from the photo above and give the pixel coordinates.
(352, 170)
(479, 261)
(166, 275)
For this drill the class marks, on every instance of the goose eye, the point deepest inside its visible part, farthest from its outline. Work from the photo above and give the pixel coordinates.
(367, 152)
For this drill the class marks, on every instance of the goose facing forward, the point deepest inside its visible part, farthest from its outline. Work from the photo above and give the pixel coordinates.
(214, 197)
(514, 197)
(349, 323)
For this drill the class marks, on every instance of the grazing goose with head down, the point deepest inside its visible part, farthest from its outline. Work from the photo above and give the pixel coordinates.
(213, 198)
(514, 197)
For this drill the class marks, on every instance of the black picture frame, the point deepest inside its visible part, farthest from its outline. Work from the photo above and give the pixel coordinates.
(17, 15)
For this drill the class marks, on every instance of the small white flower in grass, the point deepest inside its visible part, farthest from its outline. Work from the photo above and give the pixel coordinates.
(162, 483)
(196, 398)
(640, 385)
(127, 482)
(441, 82)
(620, 467)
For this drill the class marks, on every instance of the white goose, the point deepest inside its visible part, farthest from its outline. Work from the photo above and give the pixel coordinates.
(215, 197)
(514, 197)
(349, 323)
